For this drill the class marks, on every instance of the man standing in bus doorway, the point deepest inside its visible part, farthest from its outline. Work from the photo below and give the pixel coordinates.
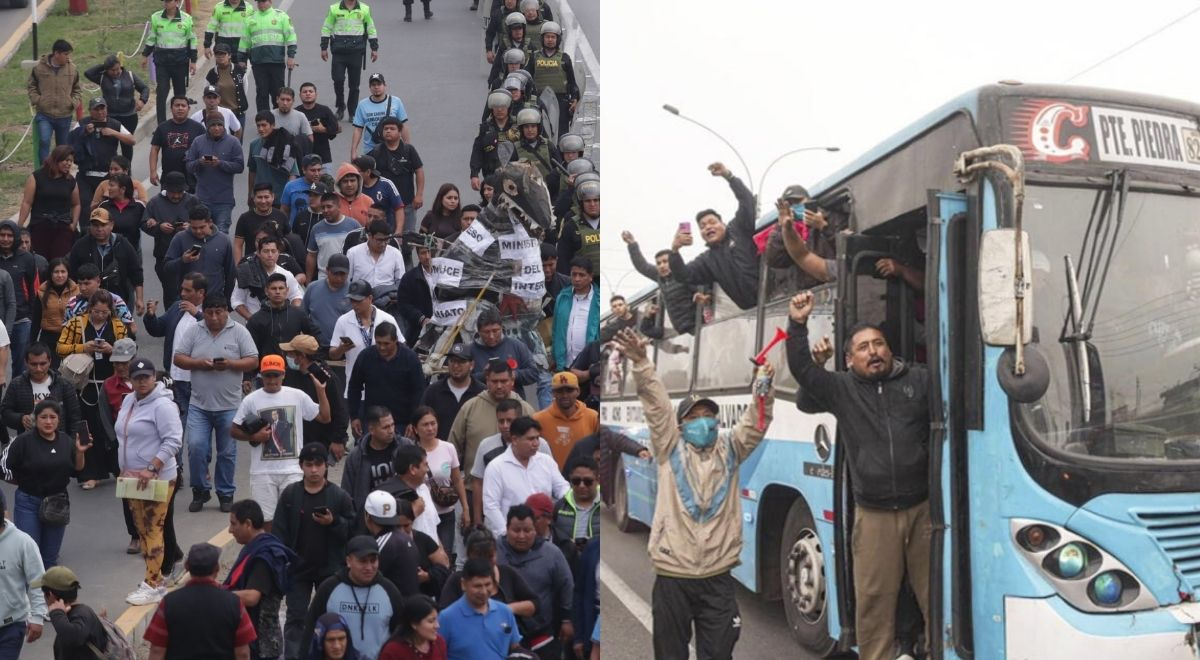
(882, 409)
(731, 259)
(697, 533)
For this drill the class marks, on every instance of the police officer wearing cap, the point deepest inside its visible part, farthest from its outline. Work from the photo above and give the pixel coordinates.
(533, 148)
(497, 134)
(230, 83)
(226, 26)
(95, 141)
(347, 31)
(172, 40)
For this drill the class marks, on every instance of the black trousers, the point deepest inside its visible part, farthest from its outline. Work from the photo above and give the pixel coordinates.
(342, 64)
(167, 76)
(268, 80)
(130, 123)
(708, 603)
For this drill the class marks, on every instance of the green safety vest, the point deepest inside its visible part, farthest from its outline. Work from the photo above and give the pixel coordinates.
(548, 71)
(589, 242)
(345, 28)
(533, 35)
(539, 157)
(228, 22)
(269, 37)
(171, 33)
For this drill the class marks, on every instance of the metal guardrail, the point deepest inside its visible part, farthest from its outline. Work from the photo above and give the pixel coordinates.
(587, 74)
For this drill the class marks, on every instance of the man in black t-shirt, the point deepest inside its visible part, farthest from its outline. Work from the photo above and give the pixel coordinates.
(399, 162)
(259, 576)
(313, 518)
(171, 140)
(398, 555)
(248, 223)
(324, 124)
(370, 462)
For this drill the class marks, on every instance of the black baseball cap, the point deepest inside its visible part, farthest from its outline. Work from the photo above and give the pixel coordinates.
(314, 451)
(795, 191)
(174, 182)
(460, 352)
(359, 289)
(338, 263)
(141, 367)
(692, 401)
(211, 90)
(318, 188)
(362, 547)
(222, 48)
(375, 77)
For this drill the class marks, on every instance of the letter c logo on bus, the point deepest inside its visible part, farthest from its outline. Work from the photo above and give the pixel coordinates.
(1039, 128)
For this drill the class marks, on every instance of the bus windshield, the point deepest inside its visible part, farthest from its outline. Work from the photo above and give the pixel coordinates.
(1129, 389)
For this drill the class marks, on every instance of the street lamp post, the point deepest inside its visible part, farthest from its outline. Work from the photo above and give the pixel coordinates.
(675, 111)
(763, 180)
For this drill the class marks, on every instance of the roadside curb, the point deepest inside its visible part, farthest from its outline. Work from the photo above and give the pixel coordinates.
(14, 41)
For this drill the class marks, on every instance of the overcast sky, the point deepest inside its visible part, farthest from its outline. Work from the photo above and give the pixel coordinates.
(774, 76)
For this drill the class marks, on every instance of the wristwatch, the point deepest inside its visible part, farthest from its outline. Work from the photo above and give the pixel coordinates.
(153, 469)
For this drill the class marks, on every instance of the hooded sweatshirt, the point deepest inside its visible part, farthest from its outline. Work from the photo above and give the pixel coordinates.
(563, 429)
(357, 206)
(147, 429)
(545, 570)
(368, 609)
(327, 623)
(475, 421)
(20, 565)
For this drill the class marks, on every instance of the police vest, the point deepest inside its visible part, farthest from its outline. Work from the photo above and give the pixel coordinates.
(538, 156)
(348, 29)
(228, 23)
(589, 242)
(548, 72)
(269, 37)
(170, 38)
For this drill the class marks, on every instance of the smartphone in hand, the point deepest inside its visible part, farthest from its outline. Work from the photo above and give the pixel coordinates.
(685, 227)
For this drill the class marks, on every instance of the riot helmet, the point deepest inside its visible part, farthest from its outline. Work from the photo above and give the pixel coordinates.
(529, 116)
(499, 98)
(580, 166)
(514, 56)
(570, 142)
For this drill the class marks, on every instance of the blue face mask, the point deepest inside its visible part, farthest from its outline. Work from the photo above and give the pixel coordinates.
(798, 211)
(701, 432)
(291, 363)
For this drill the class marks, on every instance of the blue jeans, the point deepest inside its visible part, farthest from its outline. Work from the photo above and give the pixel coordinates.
(59, 127)
(182, 389)
(12, 637)
(18, 336)
(49, 538)
(222, 215)
(544, 394)
(201, 424)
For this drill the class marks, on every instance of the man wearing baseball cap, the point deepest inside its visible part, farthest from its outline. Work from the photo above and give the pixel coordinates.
(103, 136)
(398, 555)
(77, 628)
(24, 609)
(267, 419)
(301, 354)
(698, 515)
(447, 395)
(345, 593)
(567, 420)
(212, 103)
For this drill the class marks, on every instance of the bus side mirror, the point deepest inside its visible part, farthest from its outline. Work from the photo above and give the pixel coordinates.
(1000, 292)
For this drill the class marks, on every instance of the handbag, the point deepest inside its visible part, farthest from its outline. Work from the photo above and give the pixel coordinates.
(442, 495)
(55, 509)
(76, 369)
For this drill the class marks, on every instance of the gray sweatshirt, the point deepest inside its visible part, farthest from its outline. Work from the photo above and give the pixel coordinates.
(214, 185)
(149, 429)
(20, 565)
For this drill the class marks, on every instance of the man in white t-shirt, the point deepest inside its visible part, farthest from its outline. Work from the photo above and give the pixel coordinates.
(374, 261)
(212, 102)
(5, 354)
(274, 457)
(518, 473)
(355, 330)
(246, 303)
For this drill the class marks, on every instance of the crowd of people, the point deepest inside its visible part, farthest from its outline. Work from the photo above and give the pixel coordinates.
(291, 332)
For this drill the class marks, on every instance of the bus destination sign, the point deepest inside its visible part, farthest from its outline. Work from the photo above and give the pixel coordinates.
(1061, 132)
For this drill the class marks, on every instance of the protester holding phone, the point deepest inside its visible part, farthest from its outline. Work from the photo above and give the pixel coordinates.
(93, 333)
(303, 359)
(40, 461)
(314, 518)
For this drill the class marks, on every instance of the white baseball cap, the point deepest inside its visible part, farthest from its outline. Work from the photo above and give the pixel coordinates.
(381, 507)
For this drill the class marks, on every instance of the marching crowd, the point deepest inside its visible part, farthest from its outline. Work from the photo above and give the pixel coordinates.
(465, 522)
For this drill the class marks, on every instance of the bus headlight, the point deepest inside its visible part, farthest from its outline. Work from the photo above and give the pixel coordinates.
(1080, 571)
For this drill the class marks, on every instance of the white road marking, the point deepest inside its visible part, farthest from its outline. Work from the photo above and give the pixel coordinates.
(578, 41)
(632, 602)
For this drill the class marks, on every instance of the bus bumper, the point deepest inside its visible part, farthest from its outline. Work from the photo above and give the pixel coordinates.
(1049, 628)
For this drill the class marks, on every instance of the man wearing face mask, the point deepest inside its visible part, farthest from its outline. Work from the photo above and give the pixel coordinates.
(882, 409)
(697, 533)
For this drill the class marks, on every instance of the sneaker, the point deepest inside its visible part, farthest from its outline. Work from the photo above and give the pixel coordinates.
(146, 595)
(340, 112)
(135, 547)
(199, 497)
(174, 574)
(226, 502)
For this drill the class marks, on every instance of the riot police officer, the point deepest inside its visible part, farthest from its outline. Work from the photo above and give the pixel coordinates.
(496, 139)
(349, 28)
(227, 25)
(269, 44)
(496, 28)
(512, 60)
(551, 69)
(531, 10)
(570, 146)
(533, 148)
(172, 40)
(580, 235)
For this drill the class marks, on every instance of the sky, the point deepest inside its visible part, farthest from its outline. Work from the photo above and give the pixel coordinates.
(775, 76)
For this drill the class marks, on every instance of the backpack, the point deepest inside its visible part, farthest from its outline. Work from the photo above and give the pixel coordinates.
(76, 369)
(118, 646)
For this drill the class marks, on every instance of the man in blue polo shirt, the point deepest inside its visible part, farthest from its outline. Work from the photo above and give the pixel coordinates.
(475, 626)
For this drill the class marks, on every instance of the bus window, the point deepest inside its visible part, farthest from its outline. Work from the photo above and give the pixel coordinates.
(614, 370)
(820, 324)
(726, 347)
(673, 358)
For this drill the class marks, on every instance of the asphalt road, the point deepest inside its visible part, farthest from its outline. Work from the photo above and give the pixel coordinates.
(587, 12)
(625, 602)
(443, 88)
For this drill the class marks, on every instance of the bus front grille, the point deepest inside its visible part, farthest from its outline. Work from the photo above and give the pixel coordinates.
(1178, 534)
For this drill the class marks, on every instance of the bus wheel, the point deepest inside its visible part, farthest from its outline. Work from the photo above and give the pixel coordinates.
(621, 501)
(802, 563)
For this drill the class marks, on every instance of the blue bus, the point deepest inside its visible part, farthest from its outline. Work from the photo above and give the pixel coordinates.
(1058, 229)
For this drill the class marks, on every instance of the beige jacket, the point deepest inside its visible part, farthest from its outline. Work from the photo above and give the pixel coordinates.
(54, 93)
(699, 534)
(476, 420)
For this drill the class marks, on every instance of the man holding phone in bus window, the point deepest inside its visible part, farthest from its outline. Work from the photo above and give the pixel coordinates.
(731, 259)
(697, 533)
(882, 409)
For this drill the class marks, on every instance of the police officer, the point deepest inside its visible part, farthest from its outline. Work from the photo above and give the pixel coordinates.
(511, 61)
(408, 10)
(348, 29)
(496, 133)
(227, 25)
(580, 235)
(173, 42)
(533, 148)
(531, 10)
(515, 86)
(551, 69)
(494, 32)
(570, 146)
(269, 44)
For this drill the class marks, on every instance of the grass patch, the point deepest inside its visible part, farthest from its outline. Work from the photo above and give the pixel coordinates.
(111, 26)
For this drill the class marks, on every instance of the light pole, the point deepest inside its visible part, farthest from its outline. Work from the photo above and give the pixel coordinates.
(763, 180)
(675, 111)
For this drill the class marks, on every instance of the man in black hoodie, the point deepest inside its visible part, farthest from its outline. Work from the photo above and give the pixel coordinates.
(277, 321)
(732, 257)
(882, 409)
(22, 268)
